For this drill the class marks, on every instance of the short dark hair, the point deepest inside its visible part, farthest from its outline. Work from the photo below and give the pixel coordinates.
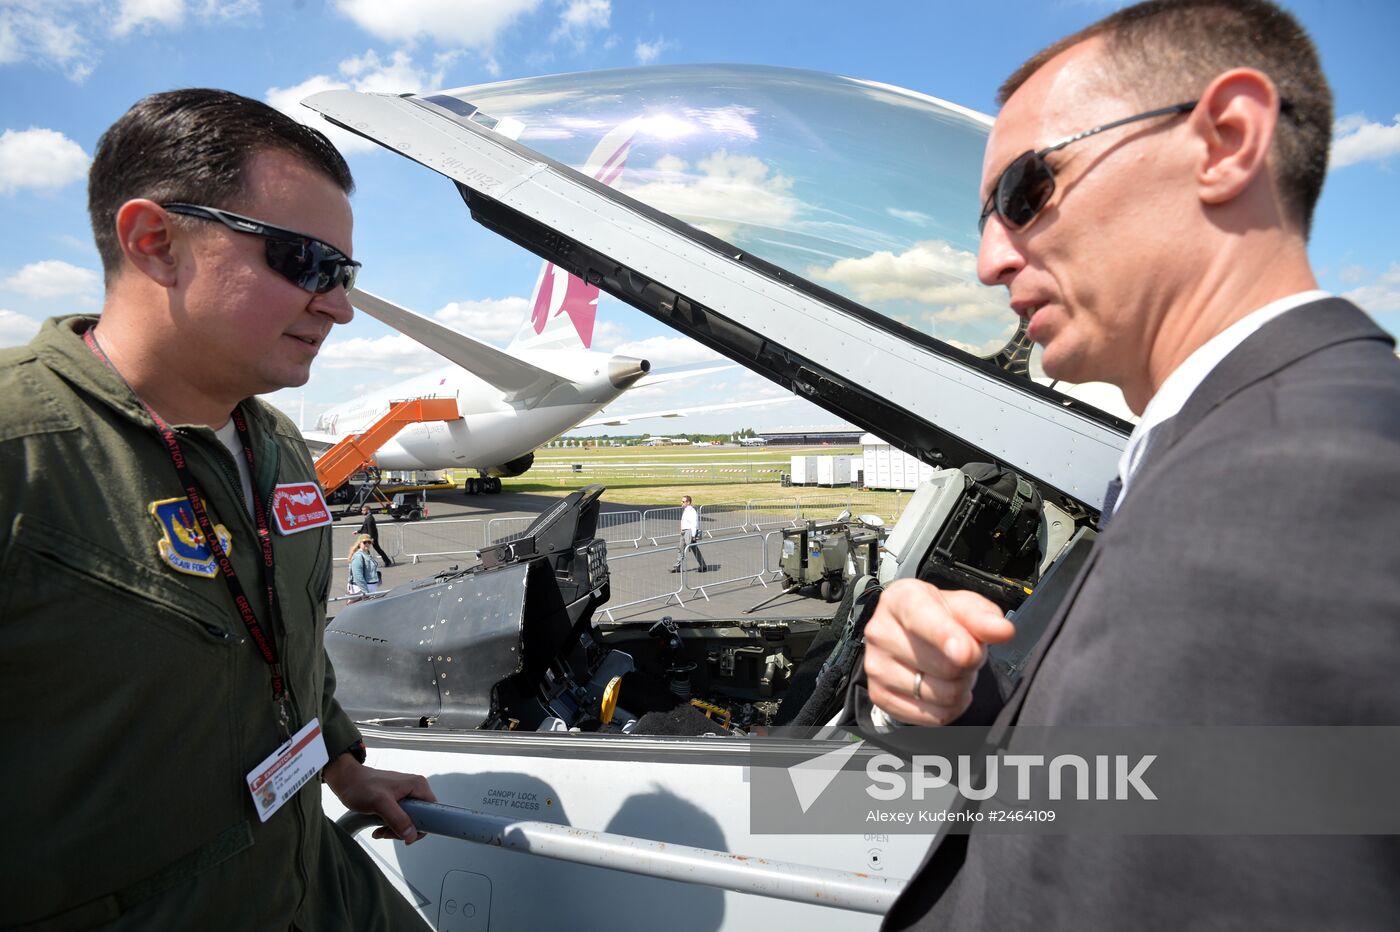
(1164, 51)
(192, 145)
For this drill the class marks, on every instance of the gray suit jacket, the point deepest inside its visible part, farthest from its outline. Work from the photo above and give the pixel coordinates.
(1251, 577)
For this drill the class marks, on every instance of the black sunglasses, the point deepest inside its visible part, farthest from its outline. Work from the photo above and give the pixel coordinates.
(1025, 186)
(307, 262)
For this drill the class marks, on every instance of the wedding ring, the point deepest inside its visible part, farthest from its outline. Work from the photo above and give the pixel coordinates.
(918, 682)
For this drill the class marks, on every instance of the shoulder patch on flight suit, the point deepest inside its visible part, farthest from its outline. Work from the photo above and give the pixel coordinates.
(182, 546)
(299, 506)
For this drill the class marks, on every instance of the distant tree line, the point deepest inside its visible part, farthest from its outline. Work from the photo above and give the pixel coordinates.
(630, 440)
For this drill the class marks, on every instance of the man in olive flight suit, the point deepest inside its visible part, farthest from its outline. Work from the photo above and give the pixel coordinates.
(150, 678)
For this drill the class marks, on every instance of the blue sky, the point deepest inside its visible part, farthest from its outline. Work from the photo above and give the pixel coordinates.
(68, 68)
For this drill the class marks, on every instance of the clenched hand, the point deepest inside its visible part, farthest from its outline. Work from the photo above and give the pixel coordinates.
(918, 628)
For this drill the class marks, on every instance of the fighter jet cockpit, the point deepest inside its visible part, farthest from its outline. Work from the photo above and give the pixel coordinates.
(511, 644)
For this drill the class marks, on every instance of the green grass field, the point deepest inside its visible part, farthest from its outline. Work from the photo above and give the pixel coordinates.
(666, 454)
(658, 476)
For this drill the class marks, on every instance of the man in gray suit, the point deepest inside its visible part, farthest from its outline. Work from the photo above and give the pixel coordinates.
(1149, 186)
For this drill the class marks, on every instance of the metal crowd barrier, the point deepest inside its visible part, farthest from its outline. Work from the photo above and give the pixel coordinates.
(641, 577)
(822, 509)
(798, 883)
(662, 525)
(644, 575)
(716, 517)
(775, 512)
(773, 554)
(731, 560)
(390, 539)
(864, 502)
(442, 538)
(500, 530)
(621, 527)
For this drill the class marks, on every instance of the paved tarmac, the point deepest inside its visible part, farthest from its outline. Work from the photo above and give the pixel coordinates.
(457, 525)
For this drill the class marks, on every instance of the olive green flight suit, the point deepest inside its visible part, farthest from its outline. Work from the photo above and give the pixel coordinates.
(132, 700)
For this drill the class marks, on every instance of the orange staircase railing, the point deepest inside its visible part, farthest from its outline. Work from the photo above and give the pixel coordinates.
(341, 461)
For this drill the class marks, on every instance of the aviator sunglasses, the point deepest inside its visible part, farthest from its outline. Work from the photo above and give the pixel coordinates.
(307, 262)
(1025, 186)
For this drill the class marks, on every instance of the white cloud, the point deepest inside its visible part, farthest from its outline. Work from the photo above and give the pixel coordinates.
(930, 272)
(397, 353)
(16, 328)
(663, 351)
(474, 24)
(491, 319)
(294, 403)
(54, 278)
(726, 121)
(368, 72)
(1380, 296)
(39, 158)
(48, 33)
(648, 52)
(726, 192)
(288, 100)
(606, 333)
(990, 346)
(9, 43)
(229, 9)
(909, 216)
(134, 13)
(68, 34)
(582, 17)
(395, 75)
(1351, 274)
(1356, 139)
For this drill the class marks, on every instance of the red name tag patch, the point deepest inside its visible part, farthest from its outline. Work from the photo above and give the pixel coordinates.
(299, 506)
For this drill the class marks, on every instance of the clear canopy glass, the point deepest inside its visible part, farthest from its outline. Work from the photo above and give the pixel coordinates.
(865, 189)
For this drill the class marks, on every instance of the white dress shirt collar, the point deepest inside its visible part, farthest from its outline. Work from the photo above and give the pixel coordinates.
(1183, 381)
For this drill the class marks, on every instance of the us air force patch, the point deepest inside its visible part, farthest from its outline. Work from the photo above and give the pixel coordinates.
(182, 545)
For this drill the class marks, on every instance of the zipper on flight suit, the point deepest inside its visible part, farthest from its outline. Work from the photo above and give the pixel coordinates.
(267, 458)
(228, 469)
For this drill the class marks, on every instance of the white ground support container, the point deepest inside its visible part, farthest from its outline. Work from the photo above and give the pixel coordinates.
(804, 470)
(834, 470)
(888, 468)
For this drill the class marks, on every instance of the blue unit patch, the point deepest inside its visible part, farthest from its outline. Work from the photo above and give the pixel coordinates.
(182, 546)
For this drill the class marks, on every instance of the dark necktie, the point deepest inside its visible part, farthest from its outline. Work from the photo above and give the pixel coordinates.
(1110, 499)
(1115, 485)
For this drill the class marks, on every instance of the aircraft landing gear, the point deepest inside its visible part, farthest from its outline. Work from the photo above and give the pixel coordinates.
(470, 487)
(486, 485)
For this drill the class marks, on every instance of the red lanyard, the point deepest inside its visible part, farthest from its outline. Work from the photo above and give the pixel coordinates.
(206, 527)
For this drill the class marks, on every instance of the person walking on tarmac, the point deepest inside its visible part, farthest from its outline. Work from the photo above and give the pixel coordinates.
(364, 572)
(690, 532)
(370, 528)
